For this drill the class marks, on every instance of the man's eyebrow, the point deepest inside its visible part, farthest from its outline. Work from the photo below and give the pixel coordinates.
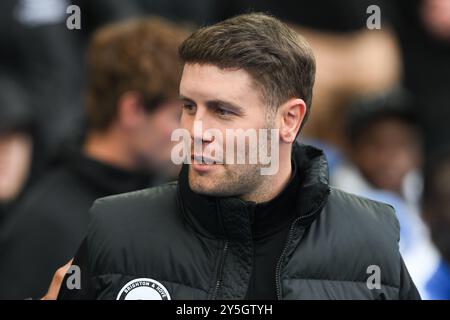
(181, 97)
(217, 103)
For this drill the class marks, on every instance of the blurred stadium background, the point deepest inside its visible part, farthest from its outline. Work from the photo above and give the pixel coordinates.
(380, 111)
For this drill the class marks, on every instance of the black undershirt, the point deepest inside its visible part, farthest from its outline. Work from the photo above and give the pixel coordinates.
(271, 222)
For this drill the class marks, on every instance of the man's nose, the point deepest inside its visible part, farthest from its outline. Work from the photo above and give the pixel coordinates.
(200, 133)
(199, 128)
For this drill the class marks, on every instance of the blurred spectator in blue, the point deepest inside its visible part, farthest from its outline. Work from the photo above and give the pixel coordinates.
(437, 215)
(132, 108)
(382, 161)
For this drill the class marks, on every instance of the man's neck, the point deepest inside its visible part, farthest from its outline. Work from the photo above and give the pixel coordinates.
(272, 185)
(109, 148)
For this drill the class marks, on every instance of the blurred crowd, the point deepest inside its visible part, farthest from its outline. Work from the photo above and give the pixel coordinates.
(89, 112)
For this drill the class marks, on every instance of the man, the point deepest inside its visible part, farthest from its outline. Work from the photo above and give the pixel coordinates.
(224, 230)
(18, 162)
(132, 109)
(16, 141)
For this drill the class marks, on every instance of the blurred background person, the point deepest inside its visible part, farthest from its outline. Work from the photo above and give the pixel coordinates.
(38, 49)
(132, 108)
(16, 142)
(19, 161)
(384, 145)
(437, 215)
(382, 160)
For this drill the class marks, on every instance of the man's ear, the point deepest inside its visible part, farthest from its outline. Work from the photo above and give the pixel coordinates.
(130, 110)
(292, 114)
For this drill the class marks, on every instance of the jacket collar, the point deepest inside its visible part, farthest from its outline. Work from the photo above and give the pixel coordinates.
(230, 218)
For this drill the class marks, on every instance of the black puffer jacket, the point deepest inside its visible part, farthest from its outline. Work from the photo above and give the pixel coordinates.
(169, 242)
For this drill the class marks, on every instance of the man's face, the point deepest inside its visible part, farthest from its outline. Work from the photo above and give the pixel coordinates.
(15, 162)
(151, 139)
(387, 152)
(221, 99)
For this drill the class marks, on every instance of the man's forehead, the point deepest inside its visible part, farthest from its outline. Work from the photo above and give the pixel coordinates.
(206, 82)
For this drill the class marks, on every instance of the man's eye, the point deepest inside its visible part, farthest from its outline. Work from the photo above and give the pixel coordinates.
(223, 112)
(189, 107)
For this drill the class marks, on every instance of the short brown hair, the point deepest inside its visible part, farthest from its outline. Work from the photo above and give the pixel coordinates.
(277, 57)
(137, 55)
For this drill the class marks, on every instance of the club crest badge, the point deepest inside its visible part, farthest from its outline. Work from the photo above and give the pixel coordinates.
(143, 289)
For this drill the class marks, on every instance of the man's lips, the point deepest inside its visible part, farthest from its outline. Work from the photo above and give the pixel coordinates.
(202, 164)
(202, 160)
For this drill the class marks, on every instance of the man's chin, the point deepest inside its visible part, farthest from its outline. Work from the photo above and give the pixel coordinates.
(204, 182)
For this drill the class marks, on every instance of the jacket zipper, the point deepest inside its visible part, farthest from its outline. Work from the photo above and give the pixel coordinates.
(219, 276)
(283, 253)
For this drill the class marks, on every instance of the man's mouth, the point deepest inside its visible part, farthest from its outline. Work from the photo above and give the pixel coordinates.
(202, 160)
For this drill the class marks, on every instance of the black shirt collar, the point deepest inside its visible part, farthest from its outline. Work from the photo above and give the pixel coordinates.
(270, 217)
